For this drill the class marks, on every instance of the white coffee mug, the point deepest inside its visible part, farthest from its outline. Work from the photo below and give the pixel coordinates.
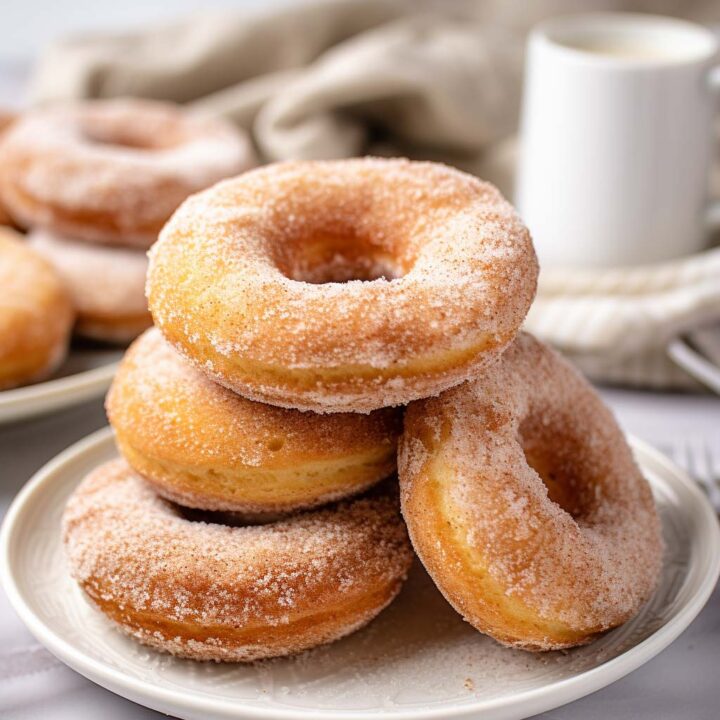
(616, 139)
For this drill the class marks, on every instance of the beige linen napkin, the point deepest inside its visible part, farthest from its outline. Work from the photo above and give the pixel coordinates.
(422, 78)
(319, 79)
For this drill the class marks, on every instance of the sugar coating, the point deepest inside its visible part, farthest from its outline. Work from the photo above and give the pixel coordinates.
(189, 586)
(103, 280)
(36, 314)
(113, 170)
(589, 560)
(254, 272)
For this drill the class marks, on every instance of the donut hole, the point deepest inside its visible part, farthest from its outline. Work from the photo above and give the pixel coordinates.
(561, 489)
(326, 257)
(558, 460)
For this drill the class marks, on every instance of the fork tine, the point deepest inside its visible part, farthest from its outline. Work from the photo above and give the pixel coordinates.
(700, 462)
(714, 452)
(713, 476)
(697, 462)
(687, 457)
(688, 462)
(667, 449)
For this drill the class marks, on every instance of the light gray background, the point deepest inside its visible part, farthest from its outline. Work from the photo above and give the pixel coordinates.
(26, 26)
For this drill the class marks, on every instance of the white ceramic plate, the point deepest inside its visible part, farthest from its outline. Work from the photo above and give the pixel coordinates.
(86, 374)
(417, 660)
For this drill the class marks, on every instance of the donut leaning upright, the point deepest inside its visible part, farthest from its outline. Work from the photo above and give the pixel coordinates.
(525, 505)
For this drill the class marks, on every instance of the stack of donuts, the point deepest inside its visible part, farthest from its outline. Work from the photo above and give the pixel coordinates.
(324, 329)
(94, 182)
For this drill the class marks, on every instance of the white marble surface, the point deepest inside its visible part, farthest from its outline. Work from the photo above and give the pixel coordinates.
(680, 683)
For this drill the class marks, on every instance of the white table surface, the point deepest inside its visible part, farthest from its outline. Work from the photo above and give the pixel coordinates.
(681, 683)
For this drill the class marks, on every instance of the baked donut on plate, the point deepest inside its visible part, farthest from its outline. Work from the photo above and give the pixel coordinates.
(343, 285)
(113, 170)
(36, 314)
(6, 120)
(203, 446)
(215, 592)
(107, 285)
(524, 503)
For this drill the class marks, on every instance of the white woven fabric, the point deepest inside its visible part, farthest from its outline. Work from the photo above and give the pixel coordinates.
(616, 324)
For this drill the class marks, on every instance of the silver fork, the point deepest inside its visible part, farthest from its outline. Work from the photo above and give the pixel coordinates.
(702, 462)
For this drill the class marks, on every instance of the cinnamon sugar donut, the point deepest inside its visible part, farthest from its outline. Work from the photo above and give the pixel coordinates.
(6, 120)
(214, 592)
(112, 170)
(205, 447)
(524, 503)
(107, 285)
(36, 314)
(343, 285)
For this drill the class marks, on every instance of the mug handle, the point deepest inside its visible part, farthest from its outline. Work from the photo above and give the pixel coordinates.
(712, 214)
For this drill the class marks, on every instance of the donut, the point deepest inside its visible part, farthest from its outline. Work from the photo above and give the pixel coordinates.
(107, 285)
(344, 285)
(205, 447)
(6, 120)
(524, 503)
(112, 170)
(36, 314)
(5, 219)
(208, 591)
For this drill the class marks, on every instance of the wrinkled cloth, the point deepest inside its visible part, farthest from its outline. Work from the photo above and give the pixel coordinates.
(431, 80)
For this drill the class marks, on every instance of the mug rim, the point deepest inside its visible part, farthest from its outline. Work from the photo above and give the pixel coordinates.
(547, 32)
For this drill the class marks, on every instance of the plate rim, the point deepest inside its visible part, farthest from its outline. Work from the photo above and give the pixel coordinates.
(531, 701)
(22, 402)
